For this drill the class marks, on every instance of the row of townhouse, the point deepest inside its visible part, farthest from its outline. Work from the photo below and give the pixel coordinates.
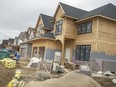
(6, 44)
(78, 34)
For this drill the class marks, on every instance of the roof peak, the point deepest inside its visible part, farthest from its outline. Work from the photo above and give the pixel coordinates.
(72, 6)
(45, 15)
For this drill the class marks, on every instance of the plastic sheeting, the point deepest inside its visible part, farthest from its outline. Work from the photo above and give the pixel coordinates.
(34, 60)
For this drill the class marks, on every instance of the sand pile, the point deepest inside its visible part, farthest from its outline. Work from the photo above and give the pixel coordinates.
(70, 80)
(5, 75)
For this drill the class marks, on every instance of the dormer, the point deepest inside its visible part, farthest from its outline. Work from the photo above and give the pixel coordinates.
(30, 33)
(43, 24)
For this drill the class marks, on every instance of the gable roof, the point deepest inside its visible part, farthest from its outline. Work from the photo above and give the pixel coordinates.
(30, 29)
(21, 35)
(49, 35)
(72, 11)
(46, 21)
(108, 10)
(26, 35)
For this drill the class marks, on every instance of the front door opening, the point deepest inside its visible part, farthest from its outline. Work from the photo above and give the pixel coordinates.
(67, 54)
(35, 52)
(41, 52)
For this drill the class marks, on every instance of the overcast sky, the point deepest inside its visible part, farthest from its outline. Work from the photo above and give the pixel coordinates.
(18, 15)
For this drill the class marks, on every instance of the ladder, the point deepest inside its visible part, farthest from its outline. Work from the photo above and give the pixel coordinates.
(44, 70)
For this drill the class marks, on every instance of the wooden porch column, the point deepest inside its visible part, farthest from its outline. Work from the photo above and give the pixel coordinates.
(32, 52)
(63, 52)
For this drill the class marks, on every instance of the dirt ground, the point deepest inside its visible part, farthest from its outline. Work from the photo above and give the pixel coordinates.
(104, 82)
(29, 74)
(5, 75)
(71, 79)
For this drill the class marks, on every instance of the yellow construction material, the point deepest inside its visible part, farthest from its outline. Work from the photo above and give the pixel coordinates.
(16, 82)
(9, 63)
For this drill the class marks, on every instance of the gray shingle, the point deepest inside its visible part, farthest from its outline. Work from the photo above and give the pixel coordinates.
(108, 10)
(46, 20)
(49, 35)
(72, 11)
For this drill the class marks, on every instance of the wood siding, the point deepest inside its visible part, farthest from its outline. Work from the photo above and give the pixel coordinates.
(106, 36)
(70, 28)
(88, 38)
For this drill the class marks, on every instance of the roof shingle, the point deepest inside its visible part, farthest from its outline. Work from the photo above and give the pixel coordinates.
(46, 20)
(73, 11)
(108, 10)
(49, 35)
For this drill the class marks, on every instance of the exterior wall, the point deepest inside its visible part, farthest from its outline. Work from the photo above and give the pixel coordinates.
(70, 28)
(39, 43)
(54, 45)
(57, 18)
(28, 49)
(48, 44)
(106, 36)
(88, 38)
(50, 53)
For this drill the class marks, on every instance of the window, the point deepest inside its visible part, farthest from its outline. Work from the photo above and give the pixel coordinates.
(58, 27)
(85, 28)
(83, 52)
(40, 29)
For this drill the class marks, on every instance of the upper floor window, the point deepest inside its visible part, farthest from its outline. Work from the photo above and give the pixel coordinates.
(59, 27)
(83, 52)
(40, 29)
(85, 28)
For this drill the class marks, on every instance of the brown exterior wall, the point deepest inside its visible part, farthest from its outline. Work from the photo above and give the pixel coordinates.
(70, 44)
(89, 38)
(106, 36)
(70, 28)
(57, 17)
(47, 44)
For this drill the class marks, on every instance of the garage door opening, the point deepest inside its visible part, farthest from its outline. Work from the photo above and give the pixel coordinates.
(23, 52)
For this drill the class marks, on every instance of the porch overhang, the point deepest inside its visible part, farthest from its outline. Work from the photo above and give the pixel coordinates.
(43, 38)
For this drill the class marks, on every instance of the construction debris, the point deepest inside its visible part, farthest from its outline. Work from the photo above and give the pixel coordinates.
(69, 80)
(70, 65)
(44, 70)
(114, 81)
(34, 61)
(108, 73)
